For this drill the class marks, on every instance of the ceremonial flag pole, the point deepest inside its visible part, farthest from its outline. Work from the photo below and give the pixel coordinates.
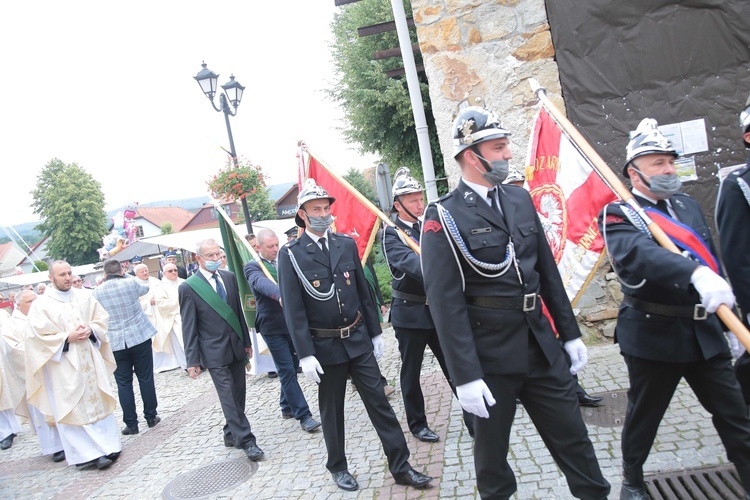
(237, 248)
(610, 178)
(360, 197)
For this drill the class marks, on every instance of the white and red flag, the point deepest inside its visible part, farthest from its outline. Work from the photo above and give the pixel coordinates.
(353, 214)
(568, 196)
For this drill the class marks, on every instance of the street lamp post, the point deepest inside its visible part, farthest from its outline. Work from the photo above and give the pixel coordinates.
(207, 79)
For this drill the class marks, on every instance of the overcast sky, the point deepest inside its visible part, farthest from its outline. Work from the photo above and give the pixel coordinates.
(109, 86)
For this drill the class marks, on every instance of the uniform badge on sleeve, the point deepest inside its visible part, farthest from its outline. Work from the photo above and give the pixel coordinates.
(613, 219)
(431, 225)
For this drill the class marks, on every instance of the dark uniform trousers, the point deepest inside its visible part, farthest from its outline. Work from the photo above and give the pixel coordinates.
(232, 399)
(350, 304)
(331, 392)
(652, 385)
(514, 351)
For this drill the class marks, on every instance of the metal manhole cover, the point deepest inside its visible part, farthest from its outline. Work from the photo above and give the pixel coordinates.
(715, 482)
(611, 411)
(210, 479)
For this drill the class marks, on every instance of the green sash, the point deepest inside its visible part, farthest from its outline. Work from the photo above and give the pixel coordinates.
(209, 295)
(271, 270)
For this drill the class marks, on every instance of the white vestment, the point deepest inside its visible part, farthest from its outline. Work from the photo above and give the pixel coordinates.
(15, 331)
(169, 351)
(71, 388)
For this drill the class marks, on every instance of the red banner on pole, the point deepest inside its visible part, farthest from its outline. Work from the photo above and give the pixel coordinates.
(568, 196)
(351, 216)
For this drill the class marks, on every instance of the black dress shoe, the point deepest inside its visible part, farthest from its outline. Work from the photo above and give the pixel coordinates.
(7, 442)
(309, 424)
(413, 478)
(287, 416)
(273, 375)
(129, 431)
(344, 480)
(113, 456)
(153, 421)
(228, 442)
(427, 436)
(633, 492)
(58, 456)
(98, 463)
(253, 452)
(587, 400)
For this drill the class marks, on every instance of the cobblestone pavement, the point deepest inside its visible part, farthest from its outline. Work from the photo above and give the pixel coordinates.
(190, 437)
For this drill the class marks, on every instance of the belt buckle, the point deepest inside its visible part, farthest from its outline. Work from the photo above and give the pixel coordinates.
(529, 302)
(345, 332)
(699, 313)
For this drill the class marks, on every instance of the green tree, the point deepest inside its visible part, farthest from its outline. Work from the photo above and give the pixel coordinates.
(358, 181)
(166, 228)
(70, 203)
(41, 265)
(377, 108)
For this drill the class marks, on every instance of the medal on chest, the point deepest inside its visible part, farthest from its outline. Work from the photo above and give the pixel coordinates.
(316, 283)
(346, 275)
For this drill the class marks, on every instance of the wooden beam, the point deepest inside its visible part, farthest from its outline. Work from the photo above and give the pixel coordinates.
(376, 29)
(386, 54)
(400, 71)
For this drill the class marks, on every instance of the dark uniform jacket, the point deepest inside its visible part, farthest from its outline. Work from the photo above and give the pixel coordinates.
(733, 220)
(302, 312)
(269, 316)
(406, 266)
(637, 257)
(478, 340)
(210, 341)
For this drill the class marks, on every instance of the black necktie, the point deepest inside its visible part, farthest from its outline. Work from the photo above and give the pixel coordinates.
(494, 202)
(415, 226)
(220, 288)
(324, 247)
(663, 207)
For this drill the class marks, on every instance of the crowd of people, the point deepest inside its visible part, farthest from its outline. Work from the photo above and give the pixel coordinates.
(471, 273)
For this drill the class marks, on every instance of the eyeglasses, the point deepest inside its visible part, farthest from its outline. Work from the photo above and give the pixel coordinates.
(77, 281)
(171, 271)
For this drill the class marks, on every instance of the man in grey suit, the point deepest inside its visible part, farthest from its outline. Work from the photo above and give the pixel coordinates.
(130, 334)
(216, 337)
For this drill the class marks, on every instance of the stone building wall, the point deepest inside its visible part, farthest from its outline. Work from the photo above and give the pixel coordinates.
(491, 48)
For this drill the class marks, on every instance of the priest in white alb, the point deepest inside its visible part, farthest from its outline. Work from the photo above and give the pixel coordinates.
(68, 366)
(169, 352)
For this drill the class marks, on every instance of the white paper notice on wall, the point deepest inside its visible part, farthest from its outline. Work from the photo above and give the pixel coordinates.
(687, 137)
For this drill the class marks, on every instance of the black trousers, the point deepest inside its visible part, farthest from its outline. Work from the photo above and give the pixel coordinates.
(411, 344)
(652, 385)
(229, 382)
(548, 394)
(366, 375)
(139, 359)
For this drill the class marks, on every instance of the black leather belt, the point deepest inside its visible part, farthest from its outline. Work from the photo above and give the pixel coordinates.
(409, 297)
(525, 303)
(696, 311)
(343, 332)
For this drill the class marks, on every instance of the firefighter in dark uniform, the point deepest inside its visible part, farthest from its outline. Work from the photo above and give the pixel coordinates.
(410, 313)
(733, 221)
(666, 327)
(336, 332)
(486, 262)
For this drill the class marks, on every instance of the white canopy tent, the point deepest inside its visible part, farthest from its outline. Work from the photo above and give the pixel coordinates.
(188, 239)
(20, 280)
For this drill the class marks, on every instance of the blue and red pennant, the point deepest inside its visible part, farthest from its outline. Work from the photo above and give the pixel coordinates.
(685, 238)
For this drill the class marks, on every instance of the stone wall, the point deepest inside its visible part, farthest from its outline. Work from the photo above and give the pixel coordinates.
(491, 48)
(488, 48)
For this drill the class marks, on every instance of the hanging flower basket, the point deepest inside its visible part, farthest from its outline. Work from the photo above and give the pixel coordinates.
(236, 183)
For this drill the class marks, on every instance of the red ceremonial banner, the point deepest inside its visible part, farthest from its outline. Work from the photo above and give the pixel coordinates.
(351, 216)
(568, 196)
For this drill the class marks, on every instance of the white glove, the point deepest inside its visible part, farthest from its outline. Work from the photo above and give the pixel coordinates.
(713, 289)
(734, 345)
(311, 368)
(472, 397)
(378, 346)
(579, 354)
